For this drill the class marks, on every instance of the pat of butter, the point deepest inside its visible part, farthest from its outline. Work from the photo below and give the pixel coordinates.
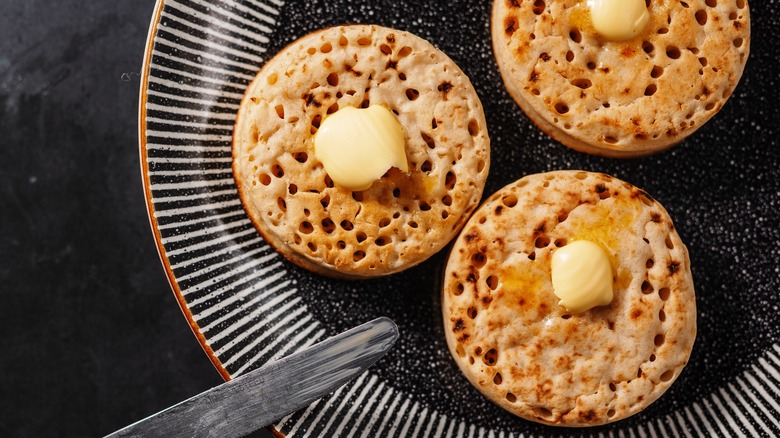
(358, 146)
(581, 276)
(618, 20)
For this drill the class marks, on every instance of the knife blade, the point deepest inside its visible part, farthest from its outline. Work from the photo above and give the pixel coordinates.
(258, 398)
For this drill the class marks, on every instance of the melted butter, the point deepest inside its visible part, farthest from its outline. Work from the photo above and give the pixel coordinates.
(580, 18)
(603, 226)
(623, 279)
(618, 20)
(358, 146)
(431, 183)
(581, 276)
(525, 289)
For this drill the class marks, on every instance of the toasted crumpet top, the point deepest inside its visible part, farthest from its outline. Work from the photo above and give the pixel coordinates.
(403, 218)
(626, 98)
(520, 348)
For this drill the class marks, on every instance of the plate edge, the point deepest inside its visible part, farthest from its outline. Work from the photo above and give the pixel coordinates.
(144, 168)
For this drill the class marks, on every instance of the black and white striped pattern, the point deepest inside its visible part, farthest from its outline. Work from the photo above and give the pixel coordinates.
(235, 288)
(202, 57)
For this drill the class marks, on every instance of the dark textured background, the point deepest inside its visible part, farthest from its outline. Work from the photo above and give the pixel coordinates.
(94, 338)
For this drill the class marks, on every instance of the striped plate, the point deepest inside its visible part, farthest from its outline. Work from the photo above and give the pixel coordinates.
(248, 306)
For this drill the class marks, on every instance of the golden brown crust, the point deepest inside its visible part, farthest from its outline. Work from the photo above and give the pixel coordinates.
(621, 99)
(403, 218)
(528, 354)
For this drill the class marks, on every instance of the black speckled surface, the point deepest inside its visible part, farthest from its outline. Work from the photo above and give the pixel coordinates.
(94, 338)
(721, 186)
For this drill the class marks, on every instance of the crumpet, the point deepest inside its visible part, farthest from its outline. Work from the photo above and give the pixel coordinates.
(533, 357)
(621, 98)
(403, 218)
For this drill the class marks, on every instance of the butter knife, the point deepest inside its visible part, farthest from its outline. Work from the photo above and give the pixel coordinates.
(260, 397)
